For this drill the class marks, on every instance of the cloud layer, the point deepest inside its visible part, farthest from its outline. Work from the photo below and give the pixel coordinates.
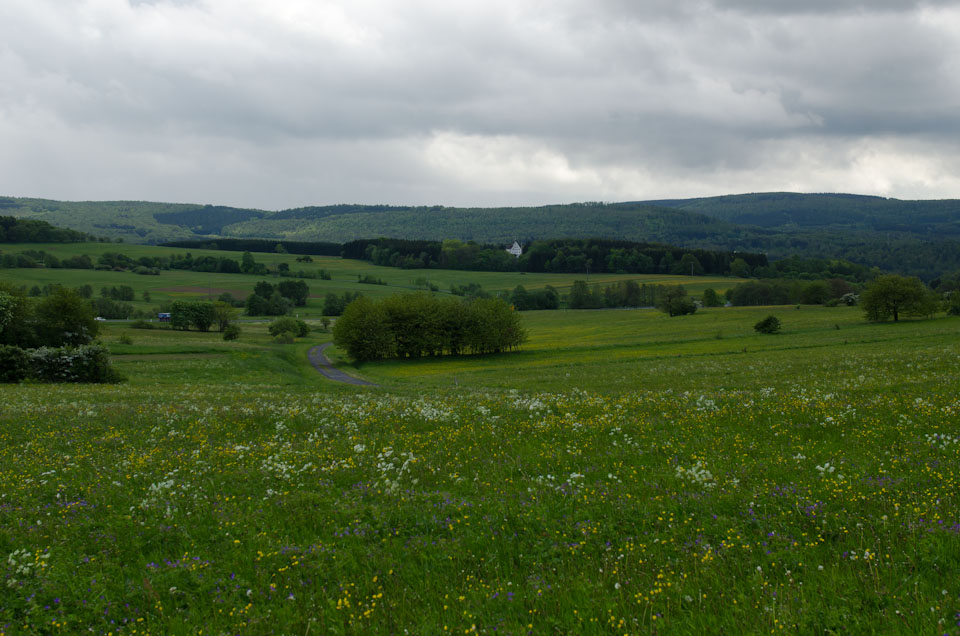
(273, 105)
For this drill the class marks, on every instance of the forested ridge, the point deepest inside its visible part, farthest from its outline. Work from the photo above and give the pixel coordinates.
(911, 237)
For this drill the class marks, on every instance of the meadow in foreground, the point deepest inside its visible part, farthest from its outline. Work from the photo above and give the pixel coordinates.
(817, 503)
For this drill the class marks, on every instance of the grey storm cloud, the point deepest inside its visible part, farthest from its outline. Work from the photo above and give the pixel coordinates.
(248, 102)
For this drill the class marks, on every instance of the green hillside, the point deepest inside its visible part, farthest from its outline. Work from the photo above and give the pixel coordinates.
(130, 221)
(912, 237)
(490, 225)
(787, 210)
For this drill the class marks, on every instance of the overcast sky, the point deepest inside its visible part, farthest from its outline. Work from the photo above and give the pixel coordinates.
(460, 102)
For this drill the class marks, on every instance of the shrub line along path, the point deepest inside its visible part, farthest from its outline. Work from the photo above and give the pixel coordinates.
(322, 363)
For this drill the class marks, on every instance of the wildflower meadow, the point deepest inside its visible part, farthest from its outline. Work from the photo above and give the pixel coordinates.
(810, 491)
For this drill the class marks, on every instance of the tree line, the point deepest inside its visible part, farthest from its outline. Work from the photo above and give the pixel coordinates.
(556, 256)
(151, 265)
(15, 230)
(311, 248)
(418, 324)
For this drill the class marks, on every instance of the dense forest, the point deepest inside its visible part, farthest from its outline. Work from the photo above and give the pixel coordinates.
(14, 230)
(313, 248)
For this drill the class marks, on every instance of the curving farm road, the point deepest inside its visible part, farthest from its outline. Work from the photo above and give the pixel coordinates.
(322, 363)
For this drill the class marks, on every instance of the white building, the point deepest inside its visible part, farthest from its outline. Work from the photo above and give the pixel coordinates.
(515, 249)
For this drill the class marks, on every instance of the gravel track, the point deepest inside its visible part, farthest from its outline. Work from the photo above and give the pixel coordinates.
(322, 363)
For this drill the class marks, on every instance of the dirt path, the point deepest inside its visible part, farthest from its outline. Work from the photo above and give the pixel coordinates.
(322, 363)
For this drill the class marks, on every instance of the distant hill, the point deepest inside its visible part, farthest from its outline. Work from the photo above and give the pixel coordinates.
(787, 210)
(914, 237)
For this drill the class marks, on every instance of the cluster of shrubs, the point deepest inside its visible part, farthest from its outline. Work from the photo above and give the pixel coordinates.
(416, 325)
(50, 340)
(276, 300)
(285, 330)
(83, 363)
(469, 290)
(523, 300)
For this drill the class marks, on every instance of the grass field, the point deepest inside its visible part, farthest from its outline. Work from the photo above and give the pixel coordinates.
(178, 284)
(625, 473)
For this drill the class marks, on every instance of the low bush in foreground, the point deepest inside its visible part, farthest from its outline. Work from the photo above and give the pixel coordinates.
(14, 364)
(85, 363)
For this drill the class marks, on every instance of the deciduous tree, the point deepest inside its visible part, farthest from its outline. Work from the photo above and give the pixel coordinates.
(891, 296)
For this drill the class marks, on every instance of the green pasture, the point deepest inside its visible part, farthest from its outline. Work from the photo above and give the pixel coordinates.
(623, 473)
(604, 351)
(611, 351)
(180, 284)
(163, 357)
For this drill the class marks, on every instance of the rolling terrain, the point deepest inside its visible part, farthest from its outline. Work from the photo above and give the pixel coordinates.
(911, 237)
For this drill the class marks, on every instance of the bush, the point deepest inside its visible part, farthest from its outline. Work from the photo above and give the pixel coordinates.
(142, 324)
(369, 279)
(298, 328)
(88, 363)
(125, 339)
(14, 364)
(231, 332)
(770, 324)
(284, 337)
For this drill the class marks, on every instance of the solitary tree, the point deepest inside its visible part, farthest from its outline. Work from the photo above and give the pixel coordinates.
(892, 295)
(223, 314)
(674, 301)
